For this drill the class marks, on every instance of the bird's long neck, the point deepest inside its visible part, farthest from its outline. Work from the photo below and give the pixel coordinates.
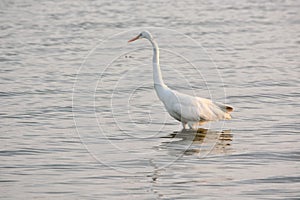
(161, 88)
(157, 76)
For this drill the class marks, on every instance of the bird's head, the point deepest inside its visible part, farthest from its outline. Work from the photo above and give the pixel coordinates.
(144, 34)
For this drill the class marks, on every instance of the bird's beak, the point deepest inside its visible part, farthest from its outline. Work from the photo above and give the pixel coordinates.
(133, 39)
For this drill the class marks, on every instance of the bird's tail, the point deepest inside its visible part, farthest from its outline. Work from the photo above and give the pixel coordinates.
(226, 108)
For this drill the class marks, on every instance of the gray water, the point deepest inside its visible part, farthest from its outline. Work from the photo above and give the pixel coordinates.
(79, 117)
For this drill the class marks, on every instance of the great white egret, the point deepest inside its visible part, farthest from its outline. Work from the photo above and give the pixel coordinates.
(189, 110)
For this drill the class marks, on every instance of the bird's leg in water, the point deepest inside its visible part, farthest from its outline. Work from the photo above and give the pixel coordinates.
(192, 125)
(184, 125)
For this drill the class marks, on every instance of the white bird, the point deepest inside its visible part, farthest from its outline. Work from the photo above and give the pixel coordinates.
(189, 110)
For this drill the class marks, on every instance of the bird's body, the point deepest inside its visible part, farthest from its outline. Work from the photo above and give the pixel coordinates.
(189, 109)
(184, 108)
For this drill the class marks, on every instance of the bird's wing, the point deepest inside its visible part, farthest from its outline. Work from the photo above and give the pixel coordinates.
(189, 108)
(214, 111)
(208, 110)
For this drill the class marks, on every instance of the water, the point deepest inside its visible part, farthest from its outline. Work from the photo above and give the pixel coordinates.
(115, 140)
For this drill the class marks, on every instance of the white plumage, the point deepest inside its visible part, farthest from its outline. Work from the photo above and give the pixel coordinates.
(187, 109)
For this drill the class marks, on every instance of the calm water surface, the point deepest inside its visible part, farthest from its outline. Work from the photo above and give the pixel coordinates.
(115, 140)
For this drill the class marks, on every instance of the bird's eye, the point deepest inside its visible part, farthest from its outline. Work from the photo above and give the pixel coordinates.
(140, 35)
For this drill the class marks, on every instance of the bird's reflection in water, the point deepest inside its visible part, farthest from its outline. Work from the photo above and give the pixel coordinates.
(201, 142)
